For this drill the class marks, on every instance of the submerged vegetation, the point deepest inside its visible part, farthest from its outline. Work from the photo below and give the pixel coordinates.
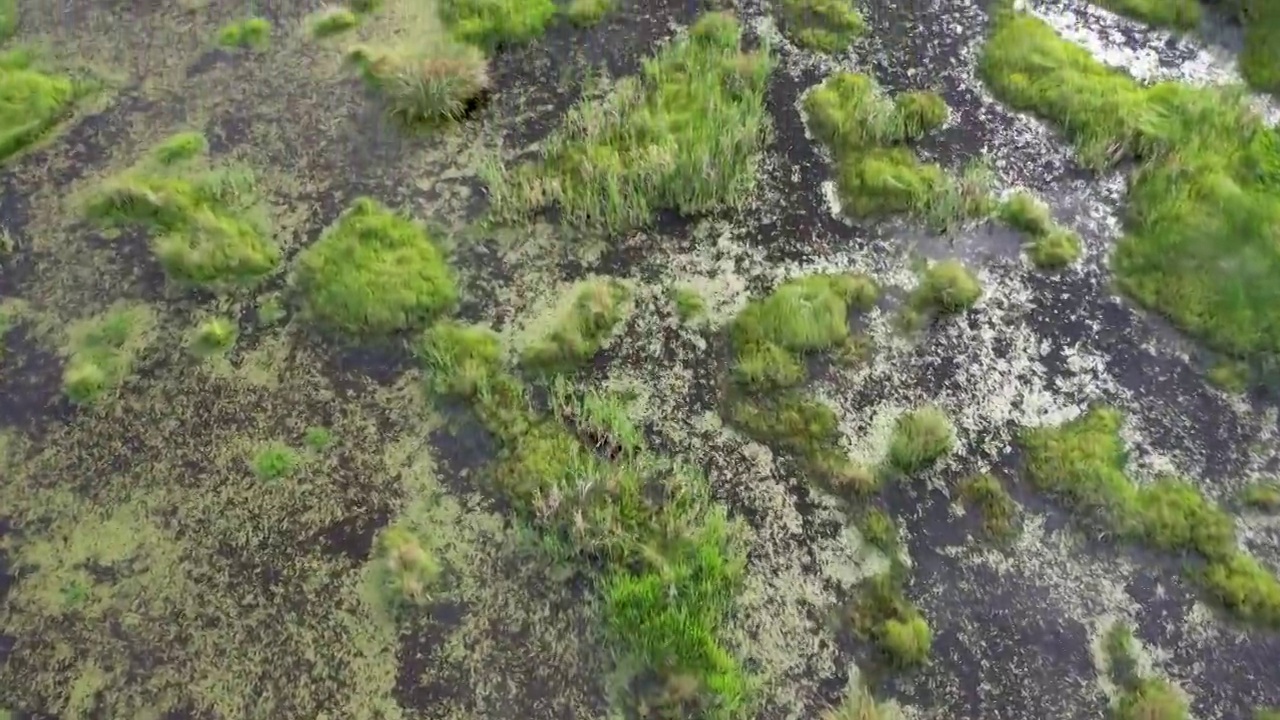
(374, 272)
(877, 172)
(828, 26)
(685, 135)
(1198, 239)
(1083, 461)
(209, 225)
(102, 351)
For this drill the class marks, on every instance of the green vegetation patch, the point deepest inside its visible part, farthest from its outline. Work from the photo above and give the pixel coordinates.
(877, 172)
(672, 564)
(987, 495)
(588, 12)
(253, 33)
(884, 616)
(1261, 495)
(331, 21)
(210, 227)
(102, 351)
(214, 336)
(860, 704)
(1203, 204)
(828, 26)
(492, 24)
(424, 84)
(32, 102)
(1140, 697)
(1052, 246)
(772, 337)
(920, 438)
(596, 309)
(374, 272)
(1180, 14)
(686, 135)
(403, 572)
(1083, 461)
(1260, 59)
(275, 460)
(947, 287)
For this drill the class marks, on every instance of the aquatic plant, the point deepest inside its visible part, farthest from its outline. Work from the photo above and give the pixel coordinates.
(685, 135)
(254, 33)
(596, 308)
(492, 24)
(1197, 243)
(373, 272)
(828, 26)
(101, 351)
(208, 224)
(920, 438)
(877, 173)
(1082, 462)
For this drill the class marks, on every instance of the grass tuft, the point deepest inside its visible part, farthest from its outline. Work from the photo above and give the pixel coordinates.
(690, 305)
(330, 21)
(1261, 495)
(999, 511)
(209, 225)
(213, 337)
(425, 86)
(1230, 376)
(879, 530)
(883, 615)
(493, 24)
(685, 135)
(275, 460)
(948, 287)
(877, 173)
(860, 704)
(584, 13)
(318, 438)
(1140, 698)
(8, 19)
(828, 26)
(597, 308)
(1083, 461)
(1202, 206)
(920, 438)
(1052, 247)
(101, 351)
(253, 33)
(32, 102)
(374, 272)
(1180, 14)
(403, 572)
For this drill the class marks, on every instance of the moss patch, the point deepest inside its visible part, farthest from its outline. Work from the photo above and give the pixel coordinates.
(877, 172)
(102, 351)
(1082, 462)
(828, 26)
(210, 227)
(1198, 228)
(373, 272)
(686, 135)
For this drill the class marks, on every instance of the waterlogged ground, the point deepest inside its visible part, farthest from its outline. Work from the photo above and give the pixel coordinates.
(162, 578)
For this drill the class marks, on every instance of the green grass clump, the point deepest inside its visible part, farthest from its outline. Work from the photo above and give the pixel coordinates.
(1199, 242)
(436, 83)
(672, 564)
(1261, 495)
(877, 173)
(690, 305)
(907, 641)
(1140, 698)
(1052, 246)
(685, 135)
(208, 223)
(1229, 375)
(403, 572)
(883, 615)
(1260, 59)
(1180, 14)
(920, 438)
(947, 287)
(860, 704)
(1082, 462)
(999, 511)
(879, 530)
(828, 26)
(213, 336)
(374, 272)
(101, 351)
(588, 12)
(254, 33)
(318, 438)
(331, 21)
(275, 460)
(491, 24)
(32, 102)
(597, 308)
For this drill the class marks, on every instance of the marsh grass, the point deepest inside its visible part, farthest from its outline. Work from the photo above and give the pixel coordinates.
(920, 438)
(253, 33)
(686, 135)
(209, 224)
(32, 102)
(329, 21)
(671, 562)
(1202, 205)
(213, 337)
(597, 307)
(1082, 462)
(373, 272)
(877, 172)
(101, 351)
(988, 496)
(828, 26)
